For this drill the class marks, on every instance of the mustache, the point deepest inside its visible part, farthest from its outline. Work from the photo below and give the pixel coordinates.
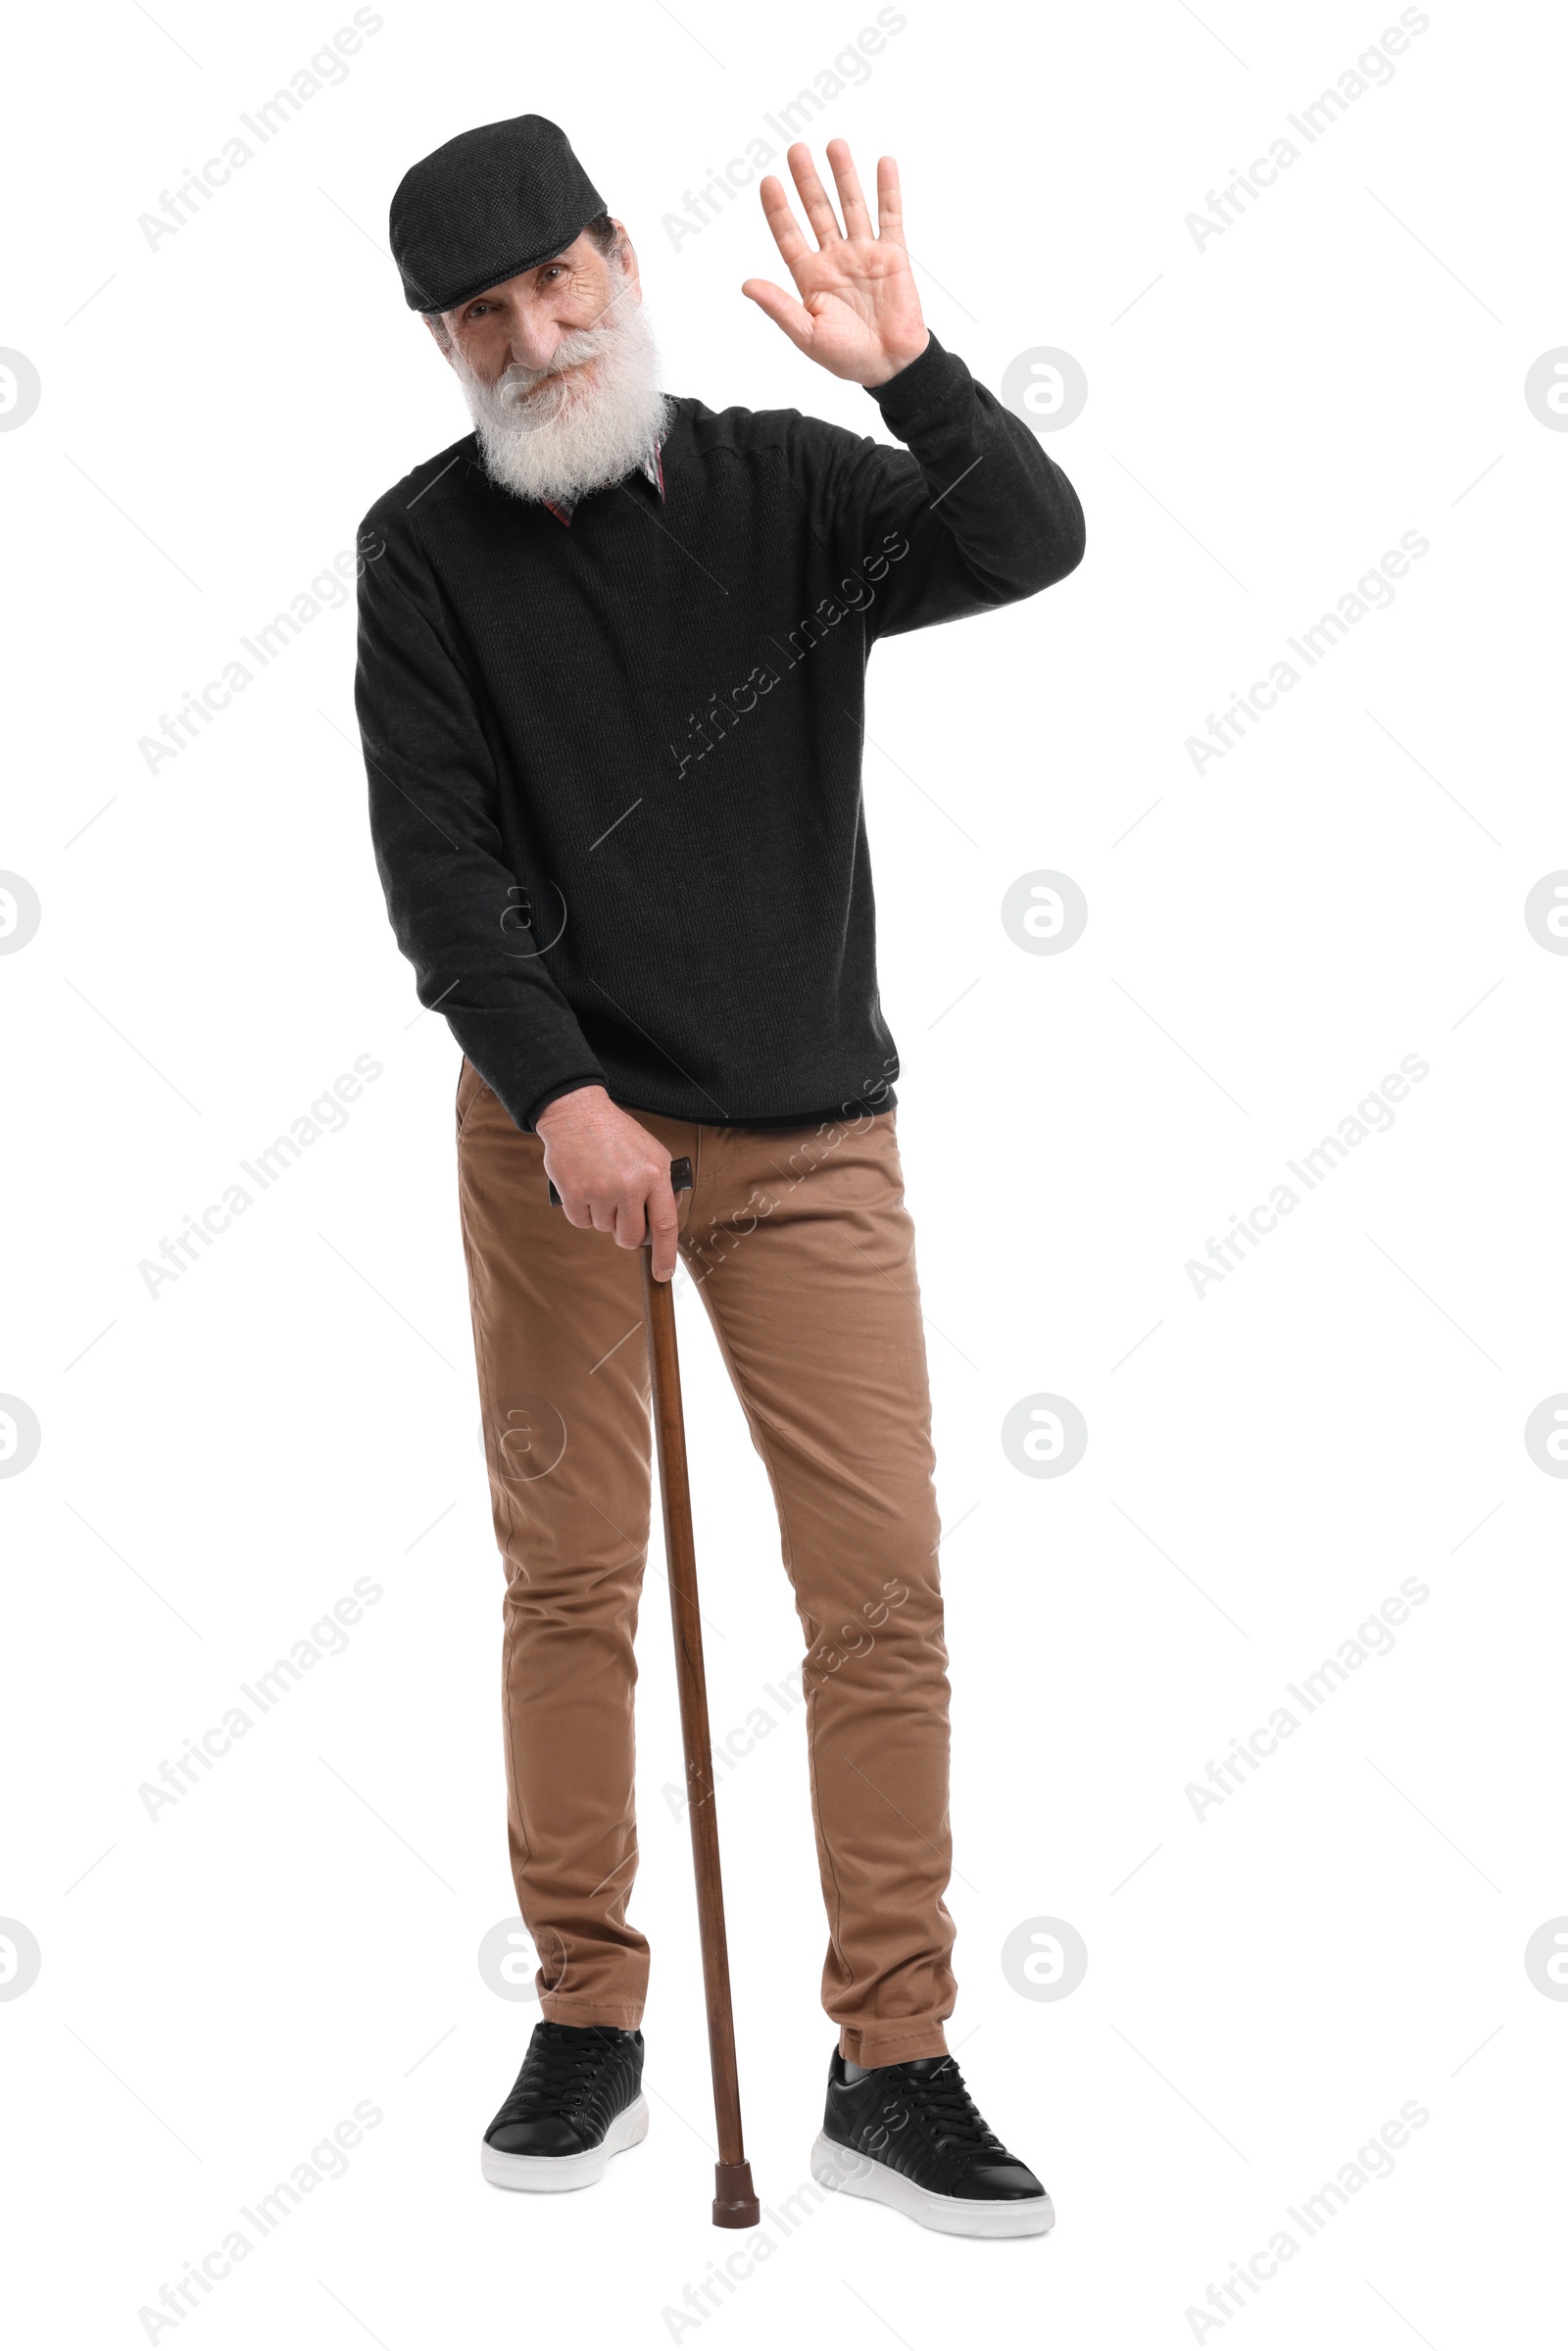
(572, 351)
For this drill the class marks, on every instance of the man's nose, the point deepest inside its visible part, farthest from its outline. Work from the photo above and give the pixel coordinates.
(534, 342)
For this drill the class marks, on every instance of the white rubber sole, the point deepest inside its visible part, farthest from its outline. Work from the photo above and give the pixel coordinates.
(838, 2167)
(549, 2175)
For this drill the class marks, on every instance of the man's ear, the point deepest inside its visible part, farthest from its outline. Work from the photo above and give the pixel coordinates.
(627, 252)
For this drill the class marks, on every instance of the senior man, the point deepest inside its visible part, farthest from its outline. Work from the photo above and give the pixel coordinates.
(612, 690)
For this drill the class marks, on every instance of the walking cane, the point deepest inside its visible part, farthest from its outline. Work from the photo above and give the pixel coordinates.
(735, 2204)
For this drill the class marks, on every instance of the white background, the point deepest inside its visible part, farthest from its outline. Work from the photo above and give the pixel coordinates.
(1267, 1985)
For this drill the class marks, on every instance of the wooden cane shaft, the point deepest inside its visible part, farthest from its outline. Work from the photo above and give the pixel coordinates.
(669, 1429)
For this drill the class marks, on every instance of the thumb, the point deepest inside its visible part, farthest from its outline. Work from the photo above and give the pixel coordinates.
(783, 309)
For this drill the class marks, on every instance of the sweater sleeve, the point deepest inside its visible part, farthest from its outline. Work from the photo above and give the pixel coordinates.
(971, 514)
(469, 925)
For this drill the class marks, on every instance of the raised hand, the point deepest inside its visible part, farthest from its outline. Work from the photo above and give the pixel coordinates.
(859, 314)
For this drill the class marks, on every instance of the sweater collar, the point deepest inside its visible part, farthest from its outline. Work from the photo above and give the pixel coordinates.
(652, 466)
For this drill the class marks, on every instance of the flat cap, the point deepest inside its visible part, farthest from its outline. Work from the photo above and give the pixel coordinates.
(485, 207)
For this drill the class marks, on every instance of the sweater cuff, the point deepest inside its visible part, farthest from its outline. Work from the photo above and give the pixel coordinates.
(926, 384)
(568, 1086)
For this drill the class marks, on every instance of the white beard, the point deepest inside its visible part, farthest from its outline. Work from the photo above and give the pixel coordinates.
(571, 436)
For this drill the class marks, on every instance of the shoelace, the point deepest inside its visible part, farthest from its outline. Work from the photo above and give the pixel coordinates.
(942, 2102)
(555, 2074)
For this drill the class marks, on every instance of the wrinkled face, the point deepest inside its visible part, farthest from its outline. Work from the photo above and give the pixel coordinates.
(522, 323)
(559, 372)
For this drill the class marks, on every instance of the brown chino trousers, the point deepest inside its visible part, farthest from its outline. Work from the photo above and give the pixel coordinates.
(802, 1250)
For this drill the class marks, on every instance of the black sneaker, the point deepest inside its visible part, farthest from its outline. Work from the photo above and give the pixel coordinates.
(577, 2102)
(910, 2135)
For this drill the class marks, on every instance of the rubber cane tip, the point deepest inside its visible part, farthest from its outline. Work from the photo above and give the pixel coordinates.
(735, 2204)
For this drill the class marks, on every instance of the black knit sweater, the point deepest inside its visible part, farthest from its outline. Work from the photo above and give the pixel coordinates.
(614, 767)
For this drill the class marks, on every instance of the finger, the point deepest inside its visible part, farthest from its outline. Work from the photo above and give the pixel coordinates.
(852, 203)
(814, 195)
(890, 201)
(788, 235)
(663, 1224)
(783, 309)
(630, 1224)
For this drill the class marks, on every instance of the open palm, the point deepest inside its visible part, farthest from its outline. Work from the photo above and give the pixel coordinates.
(859, 314)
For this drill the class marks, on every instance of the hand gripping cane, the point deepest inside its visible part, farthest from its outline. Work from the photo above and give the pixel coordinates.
(735, 2204)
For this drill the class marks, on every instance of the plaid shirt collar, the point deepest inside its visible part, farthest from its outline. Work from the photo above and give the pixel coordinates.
(652, 466)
